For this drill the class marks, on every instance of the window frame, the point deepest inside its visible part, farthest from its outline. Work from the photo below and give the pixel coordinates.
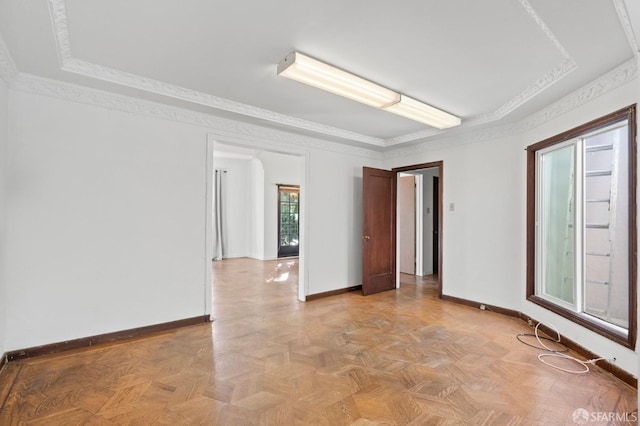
(287, 252)
(628, 338)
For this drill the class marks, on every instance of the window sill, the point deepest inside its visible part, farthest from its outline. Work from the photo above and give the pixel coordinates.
(626, 338)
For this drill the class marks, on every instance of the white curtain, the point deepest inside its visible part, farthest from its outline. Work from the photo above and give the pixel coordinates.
(219, 216)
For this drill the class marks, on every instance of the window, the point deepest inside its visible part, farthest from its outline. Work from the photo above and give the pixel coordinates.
(581, 225)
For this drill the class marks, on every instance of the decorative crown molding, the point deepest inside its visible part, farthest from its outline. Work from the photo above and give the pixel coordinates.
(237, 131)
(8, 70)
(623, 15)
(547, 80)
(112, 75)
(554, 75)
(68, 63)
(226, 129)
(615, 78)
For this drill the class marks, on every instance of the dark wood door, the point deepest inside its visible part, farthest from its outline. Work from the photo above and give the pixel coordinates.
(378, 230)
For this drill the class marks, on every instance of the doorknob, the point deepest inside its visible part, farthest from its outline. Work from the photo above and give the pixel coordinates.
(366, 237)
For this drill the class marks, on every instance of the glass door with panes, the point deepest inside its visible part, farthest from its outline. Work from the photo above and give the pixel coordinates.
(288, 220)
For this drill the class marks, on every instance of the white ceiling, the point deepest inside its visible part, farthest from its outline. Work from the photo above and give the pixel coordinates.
(490, 62)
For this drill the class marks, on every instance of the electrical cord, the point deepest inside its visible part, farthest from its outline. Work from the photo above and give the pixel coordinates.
(518, 336)
(555, 353)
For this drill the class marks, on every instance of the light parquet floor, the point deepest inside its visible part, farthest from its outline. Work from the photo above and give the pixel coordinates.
(398, 358)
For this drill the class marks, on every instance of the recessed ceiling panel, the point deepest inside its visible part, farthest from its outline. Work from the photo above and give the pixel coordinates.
(484, 60)
(453, 55)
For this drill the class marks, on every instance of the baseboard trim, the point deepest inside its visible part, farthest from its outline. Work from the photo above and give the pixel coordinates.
(618, 372)
(621, 374)
(473, 304)
(102, 338)
(312, 297)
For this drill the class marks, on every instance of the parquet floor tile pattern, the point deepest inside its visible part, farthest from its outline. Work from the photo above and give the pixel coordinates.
(401, 357)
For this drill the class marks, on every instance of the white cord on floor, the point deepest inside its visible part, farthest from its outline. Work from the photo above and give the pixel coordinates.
(560, 353)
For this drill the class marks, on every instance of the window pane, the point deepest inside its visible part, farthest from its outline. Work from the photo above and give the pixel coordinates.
(606, 231)
(557, 236)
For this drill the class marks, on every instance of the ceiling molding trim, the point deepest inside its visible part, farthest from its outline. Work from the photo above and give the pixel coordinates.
(421, 134)
(229, 129)
(58, 14)
(471, 137)
(8, 69)
(543, 83)
(566, 66)
(615, 78)
(176, 92)
(104, 73)
(623, 15)
(545, 29)
(624, 73)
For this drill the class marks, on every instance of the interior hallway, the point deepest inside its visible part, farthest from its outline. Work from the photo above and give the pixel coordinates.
(399, 357)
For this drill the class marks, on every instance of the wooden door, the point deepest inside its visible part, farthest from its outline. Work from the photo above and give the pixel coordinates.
(378, 230)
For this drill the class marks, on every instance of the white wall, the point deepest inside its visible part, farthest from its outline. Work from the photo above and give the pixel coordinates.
(256, 241)
(238, 204)
(335, 216)
(484, 238)
(478, 237)
(278, 169)
(107, 213)
(4, 135)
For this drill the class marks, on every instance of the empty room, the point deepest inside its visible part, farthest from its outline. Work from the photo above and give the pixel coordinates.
(319, 213)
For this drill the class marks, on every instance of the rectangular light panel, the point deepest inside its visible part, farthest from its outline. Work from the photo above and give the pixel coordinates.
(418, 111)
(326, 77)
(315, 73)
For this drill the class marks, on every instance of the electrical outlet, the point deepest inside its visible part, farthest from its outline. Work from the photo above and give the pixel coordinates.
(483, 307)
(530, 322)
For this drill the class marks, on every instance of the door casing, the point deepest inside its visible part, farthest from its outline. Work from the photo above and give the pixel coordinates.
(366, 227)
(440, 166)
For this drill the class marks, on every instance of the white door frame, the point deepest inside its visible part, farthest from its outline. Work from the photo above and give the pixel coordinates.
(419, 224)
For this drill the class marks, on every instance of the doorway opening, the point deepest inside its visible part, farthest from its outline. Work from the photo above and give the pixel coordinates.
(384, 250)
(253, 173)
(418, 231)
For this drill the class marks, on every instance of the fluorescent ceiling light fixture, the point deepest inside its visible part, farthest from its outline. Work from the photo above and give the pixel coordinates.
(313, 72)
(418, 111)
(304, 69)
